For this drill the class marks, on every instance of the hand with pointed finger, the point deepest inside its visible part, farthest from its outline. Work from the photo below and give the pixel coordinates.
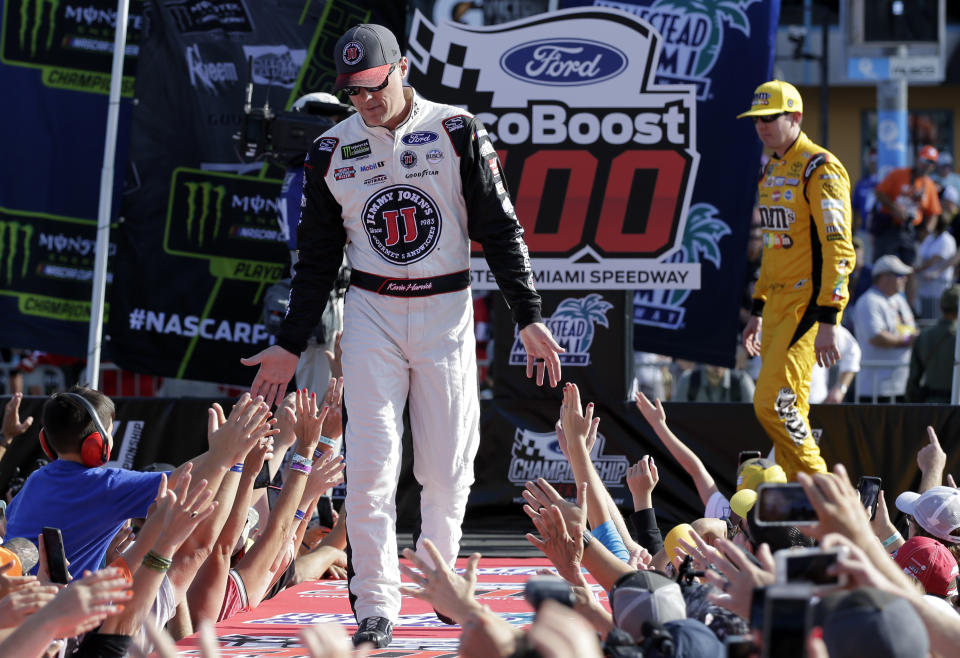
(277, 368)
(542, 351)
(447, 591)
(931, 456)
(653, 412)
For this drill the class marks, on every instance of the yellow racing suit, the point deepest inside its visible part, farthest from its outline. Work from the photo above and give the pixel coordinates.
(808, 254)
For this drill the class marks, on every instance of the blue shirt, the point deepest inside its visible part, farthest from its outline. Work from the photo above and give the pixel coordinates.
(88, 505)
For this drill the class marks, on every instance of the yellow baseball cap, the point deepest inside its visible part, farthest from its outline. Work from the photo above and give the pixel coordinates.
(742, 502)
(774, 97)
(755, 472)
(672, 540)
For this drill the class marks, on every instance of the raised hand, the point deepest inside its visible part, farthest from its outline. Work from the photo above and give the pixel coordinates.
(333, 425)
(447, 591)
(327, 472)
(12, 426)
(642, 478)
(309, 419)
(541, 494)
(335, 358)
(654, 414)
(588, 444)
(85, 603)
(561, 543)
(9, 584)
(18, 605)
(576, 423)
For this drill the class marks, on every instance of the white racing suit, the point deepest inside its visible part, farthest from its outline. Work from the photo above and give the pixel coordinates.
(406, 203)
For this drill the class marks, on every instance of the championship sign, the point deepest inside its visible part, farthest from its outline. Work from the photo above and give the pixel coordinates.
(599, 157)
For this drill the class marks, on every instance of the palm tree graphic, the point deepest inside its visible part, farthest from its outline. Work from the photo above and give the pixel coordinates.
(589, 310)
(732, 12)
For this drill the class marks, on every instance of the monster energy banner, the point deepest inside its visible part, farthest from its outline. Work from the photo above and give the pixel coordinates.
(55, 59)
(70, 42)
(201, 239)
(723, 49)
(520, 444)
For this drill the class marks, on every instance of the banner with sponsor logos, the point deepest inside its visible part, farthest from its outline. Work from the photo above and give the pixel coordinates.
(201, 238)
(55, 60)
(724, 49)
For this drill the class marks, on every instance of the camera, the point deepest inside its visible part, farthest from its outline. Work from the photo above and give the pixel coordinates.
(869, 488)
(284, 138)
(783, 504)
(779, 612)
(808, 565)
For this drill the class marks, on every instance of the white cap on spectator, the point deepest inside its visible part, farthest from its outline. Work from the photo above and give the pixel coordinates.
(936, 510)
(950, 193)
(890, 264)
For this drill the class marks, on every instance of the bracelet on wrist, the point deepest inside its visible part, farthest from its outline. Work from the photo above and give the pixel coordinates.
(237, 468)
(300, 468)
(328, 441)
(300, 515)
(156, 562)
(587, 537)
(300, 459)
(891, 539)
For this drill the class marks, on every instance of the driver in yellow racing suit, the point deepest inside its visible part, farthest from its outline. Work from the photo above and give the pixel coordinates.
(804, 201)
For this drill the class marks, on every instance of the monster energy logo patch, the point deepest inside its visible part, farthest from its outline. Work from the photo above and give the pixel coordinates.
(15, 240)
(32, 21)
(204, 199)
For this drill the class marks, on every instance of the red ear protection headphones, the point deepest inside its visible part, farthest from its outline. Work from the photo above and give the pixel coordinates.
(94, 447)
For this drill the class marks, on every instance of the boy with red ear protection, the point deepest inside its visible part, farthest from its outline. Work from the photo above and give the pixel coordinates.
(89, 502)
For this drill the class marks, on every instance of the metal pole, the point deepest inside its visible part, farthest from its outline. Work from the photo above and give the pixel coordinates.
(95, 335)
(824, 78)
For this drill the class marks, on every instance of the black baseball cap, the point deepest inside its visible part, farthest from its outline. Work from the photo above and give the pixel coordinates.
(364, 55)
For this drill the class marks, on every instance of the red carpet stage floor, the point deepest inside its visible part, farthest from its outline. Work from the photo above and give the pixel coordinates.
(271, 629)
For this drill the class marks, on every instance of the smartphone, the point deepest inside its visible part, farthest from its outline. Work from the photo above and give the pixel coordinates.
(741, 646)
(56, 555)
(785, 621)
(783, 504)
(869, 487)
(540, 588)
(747, 454)
(809, 565)
(325, 511)
(262, 480)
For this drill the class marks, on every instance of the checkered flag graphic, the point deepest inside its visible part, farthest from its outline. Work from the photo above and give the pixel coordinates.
(533, 445)
(442, 67)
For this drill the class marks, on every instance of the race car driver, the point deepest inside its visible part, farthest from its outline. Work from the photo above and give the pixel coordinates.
(405, 183)
(804, 203)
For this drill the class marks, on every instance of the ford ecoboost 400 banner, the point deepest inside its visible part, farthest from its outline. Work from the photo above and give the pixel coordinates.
(616, 128)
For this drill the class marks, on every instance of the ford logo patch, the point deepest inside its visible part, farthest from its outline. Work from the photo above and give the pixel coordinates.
(422, 137)
(563, 61)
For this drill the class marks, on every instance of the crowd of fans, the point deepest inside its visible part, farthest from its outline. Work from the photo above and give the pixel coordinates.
(177, 549)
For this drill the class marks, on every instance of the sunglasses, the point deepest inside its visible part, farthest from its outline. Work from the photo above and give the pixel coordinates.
(768, 118)
(354, 90)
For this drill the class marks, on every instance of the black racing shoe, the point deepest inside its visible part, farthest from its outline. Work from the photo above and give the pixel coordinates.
(378, 631)
(445, 619)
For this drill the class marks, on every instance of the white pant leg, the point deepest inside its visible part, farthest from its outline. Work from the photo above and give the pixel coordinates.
(376, 381)
(444, 414)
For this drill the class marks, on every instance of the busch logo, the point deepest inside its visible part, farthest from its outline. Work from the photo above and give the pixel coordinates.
(787, 411)
(207, 194)
(15, 242)
(537, 454)
(693, 35)
(275, 65)
(563, 62)
(572, 325)
(211, 75)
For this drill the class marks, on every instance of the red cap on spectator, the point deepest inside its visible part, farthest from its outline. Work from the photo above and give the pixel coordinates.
(931, 563)
(928, 153)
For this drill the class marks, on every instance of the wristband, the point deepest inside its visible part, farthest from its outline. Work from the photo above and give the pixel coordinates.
(328, 442)
(300, 468)
(300, 515)
(237, 468)
(587, 537)
(154, 561)
(891, 539)
(300, 459)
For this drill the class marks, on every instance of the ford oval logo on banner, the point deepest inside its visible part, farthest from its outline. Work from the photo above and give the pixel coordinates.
(563, 61)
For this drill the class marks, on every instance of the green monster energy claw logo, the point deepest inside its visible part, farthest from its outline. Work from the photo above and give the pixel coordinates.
(10, 247)
(34, 23)
(206, 192)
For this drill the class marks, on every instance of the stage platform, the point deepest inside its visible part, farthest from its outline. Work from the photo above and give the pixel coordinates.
(272, 628)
